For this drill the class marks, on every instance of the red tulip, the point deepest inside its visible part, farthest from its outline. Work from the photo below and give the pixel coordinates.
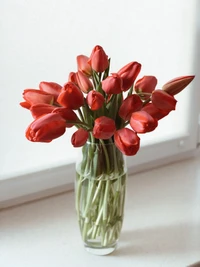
(82, 63)
(104, 128)
(146, 85)
(67, 114)
(142, 122)
(72, 77)
(46, 128)
(71, 97)
(98, 59)
(176, 85)
(112, 84)
(34, 96)
(129, 73)
(95, 100)
(163, 100)
(83, 82)
(79, 138)
(127, 141)
(154, 111)
(41, 109)
(50, 88)
(131, 104)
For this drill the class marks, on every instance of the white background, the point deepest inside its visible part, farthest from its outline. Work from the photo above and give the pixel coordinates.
(40, 41)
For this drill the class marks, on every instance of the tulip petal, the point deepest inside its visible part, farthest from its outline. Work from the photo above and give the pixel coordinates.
(127, 141)
(79, 138)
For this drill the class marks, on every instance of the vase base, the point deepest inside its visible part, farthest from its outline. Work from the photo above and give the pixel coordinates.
(100, 251)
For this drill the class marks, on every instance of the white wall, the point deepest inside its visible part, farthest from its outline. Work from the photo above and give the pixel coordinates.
(40, 40)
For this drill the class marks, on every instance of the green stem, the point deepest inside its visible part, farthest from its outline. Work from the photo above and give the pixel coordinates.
(106, 156)
(80, 114)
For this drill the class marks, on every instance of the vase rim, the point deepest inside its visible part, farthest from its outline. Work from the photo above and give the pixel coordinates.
(95, 143)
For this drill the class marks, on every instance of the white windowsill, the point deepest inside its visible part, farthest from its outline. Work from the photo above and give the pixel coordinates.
(161, 225)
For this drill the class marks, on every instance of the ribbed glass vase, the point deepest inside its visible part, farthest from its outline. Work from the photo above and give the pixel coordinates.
(100, 194)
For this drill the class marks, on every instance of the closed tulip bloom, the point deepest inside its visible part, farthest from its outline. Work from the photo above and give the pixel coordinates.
(155, 112)
(129, 73)
(46, 128)
(112, 84)
(95, 100)
(71, 97)
(72, 77)
(34, 96)
(67, 114)
(142, 122)
(127, 141)
(146, 85)
(83, 65)
(176, 85)
(104, 128)
(131, 104)
(83, 82)
(98, 59)
(163, 100)
(79, 138)
(51, 88)
(41, 109)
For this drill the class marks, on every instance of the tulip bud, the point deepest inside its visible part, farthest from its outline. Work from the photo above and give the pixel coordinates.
(79, 138)
(50, 88)
(83, 66)
(104, 128)
(70, 96)
(129, 73)
(67, 114)
(163, 100)
(112, 84)
(131, 104)
(95, 100)
(83, 82)
(145, 85)
(46, 128)
(127, 141)
(142, 122)
(98, 59)
(34, 96)
(176, 85)
(155, 112)
(41, 109)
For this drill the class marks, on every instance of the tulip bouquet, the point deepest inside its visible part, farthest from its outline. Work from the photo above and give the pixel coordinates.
(101, 106)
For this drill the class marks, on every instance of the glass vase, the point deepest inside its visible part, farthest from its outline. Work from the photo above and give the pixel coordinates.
(100, 194)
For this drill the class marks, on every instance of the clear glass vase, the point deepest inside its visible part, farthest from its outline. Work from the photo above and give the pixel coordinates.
(100, 194)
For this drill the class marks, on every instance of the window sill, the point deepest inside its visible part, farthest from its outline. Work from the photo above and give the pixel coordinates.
(161, 225)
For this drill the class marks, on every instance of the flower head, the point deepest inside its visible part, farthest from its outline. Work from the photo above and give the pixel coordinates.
(129, 73)
(46, 128)
(131, 104)
(70, 96)
(83, 65)
(127, 141)
(98, 59)
(104, 128)
(80, 137)
(163, 100)
(112, 84)
(95, 100)
(176, 85)
(142, 122)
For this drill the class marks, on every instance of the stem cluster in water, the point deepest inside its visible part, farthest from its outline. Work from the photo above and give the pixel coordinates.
(100, 193)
